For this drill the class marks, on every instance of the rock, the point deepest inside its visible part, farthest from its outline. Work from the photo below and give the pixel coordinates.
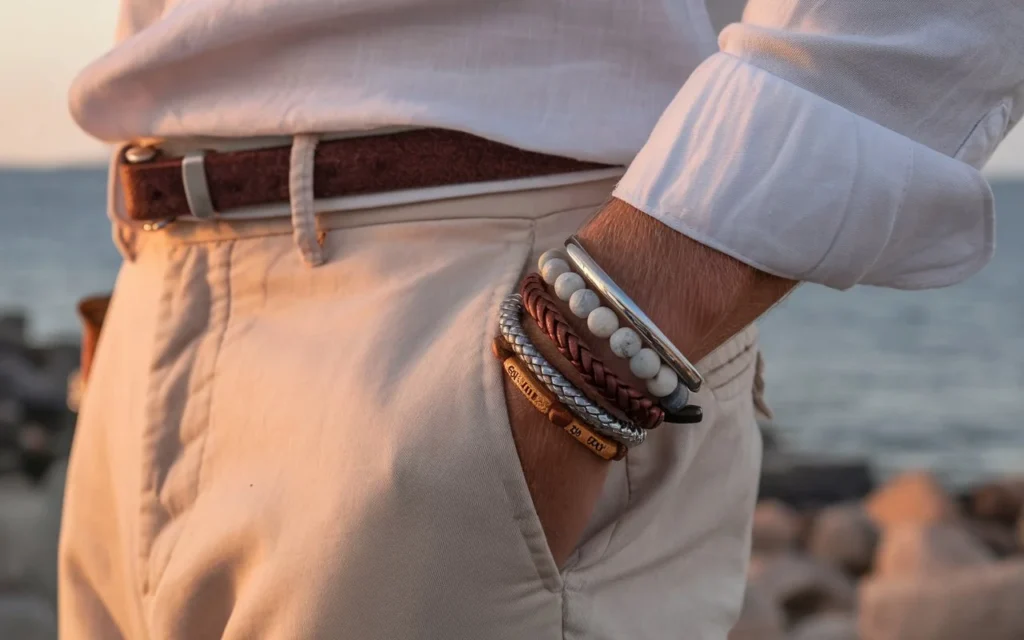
(33, 437)
(11, 411)
(801, 587)
(35, 443)
(911, 498)
(811, 482)
(21, 510)
(13, 328)
(10, 462)
(36, 378)
(776, 527)
(999, 538)
(916, 549)
(57, 362)
(981, 603)
(827, 626)
(759, 619)
(24, 616)
(60, 357)
(844, 537)
(44, 565)
(24, 379)
(12, 415)
(61, 443)
(1002, 501)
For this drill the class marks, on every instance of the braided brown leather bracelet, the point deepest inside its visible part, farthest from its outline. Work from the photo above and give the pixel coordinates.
(638, 406)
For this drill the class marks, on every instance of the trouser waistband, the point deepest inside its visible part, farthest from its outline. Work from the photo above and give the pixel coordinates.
(155, 184)
(159, 186)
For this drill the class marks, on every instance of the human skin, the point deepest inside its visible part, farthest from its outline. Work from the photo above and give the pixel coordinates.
(697, 296)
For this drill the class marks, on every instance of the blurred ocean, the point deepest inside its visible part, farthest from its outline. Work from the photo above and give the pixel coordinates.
(931, 379)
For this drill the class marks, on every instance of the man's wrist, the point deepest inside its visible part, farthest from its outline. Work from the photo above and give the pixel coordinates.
(694, 294)
(698, 297)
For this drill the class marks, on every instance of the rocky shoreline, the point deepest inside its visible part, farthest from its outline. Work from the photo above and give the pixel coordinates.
(835, 555)
(836, 558)
(36, 424)
(35, 419)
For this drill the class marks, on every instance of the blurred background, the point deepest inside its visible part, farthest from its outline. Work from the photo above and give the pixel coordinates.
(864, 385)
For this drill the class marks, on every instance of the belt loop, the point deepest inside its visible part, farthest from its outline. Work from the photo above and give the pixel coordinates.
(197, 189)
(300, 189)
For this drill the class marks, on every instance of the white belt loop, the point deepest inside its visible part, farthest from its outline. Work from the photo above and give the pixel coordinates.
(197, 189)
(300, 189)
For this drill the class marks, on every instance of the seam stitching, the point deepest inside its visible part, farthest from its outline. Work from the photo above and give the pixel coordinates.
(209, 406)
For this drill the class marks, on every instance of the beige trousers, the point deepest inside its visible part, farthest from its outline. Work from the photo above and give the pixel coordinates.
(273, 450)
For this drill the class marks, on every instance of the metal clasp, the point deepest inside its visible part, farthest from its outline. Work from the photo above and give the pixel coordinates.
(140, 154)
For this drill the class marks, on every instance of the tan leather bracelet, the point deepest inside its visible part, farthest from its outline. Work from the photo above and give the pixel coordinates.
(553, 410)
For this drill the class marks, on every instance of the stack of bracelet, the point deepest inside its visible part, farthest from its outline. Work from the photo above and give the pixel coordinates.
(545, 402)
(669, 377)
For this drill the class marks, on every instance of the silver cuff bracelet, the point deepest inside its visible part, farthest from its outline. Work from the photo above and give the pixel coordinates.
(634, 315)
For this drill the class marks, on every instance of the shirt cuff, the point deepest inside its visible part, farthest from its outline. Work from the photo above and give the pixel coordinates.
(797, 186)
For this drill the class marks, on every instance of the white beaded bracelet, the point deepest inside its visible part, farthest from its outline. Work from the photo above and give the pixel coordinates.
(595, 277)
(569, 286)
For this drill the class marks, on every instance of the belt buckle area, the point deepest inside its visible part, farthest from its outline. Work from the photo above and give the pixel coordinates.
(193, 177)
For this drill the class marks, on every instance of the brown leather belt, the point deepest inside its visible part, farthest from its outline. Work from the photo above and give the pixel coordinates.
(154, 186)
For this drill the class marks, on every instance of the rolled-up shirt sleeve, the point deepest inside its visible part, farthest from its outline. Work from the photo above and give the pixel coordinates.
(840, 141)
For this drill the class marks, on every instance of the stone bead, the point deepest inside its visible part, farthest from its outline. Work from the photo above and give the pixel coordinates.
(568, 284)
(549, 255)
(625, 342)
(664, 383)
(602, 322)
(582, 302)
(675, 401)
(554, 268)
(645, 364)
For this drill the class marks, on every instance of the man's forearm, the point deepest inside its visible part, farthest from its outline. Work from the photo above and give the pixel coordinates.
(698, 297)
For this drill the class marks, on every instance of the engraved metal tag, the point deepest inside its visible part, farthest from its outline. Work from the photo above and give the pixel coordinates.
(527, 385)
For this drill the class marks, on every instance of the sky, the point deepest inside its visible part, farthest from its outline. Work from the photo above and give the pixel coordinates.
(43, 43)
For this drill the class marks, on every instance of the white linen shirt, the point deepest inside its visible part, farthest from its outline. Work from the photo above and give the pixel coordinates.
(832, 141)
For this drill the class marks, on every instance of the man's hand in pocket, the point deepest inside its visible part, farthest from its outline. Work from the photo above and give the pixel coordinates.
(565, 479)
(696, 295)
